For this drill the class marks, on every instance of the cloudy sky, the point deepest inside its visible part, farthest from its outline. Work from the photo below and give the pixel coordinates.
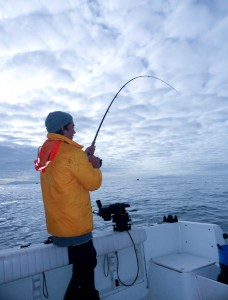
(75, 56)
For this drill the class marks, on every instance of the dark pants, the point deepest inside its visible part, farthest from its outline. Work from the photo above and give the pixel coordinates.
(81, 286)
(223, 276)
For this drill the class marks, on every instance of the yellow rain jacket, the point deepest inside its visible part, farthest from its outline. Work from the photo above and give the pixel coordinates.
(66, 181)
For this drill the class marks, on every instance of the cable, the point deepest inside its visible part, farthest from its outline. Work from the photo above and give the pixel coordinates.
(45, 290)
(125, 284)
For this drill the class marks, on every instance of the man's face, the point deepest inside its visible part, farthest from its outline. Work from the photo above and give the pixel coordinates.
(69, 132)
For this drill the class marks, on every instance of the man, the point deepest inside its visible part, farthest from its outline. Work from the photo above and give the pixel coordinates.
(67, 176)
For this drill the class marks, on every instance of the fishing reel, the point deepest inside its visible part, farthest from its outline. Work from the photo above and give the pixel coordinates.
(117, 213)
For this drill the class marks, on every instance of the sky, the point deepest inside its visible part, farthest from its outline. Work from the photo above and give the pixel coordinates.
(74, 56)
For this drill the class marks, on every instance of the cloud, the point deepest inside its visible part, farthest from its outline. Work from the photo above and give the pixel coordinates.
(75, 56)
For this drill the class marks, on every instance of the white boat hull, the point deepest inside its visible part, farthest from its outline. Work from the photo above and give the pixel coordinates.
(176, 261)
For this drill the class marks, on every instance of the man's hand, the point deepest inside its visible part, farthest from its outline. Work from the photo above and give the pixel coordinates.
(95, 161)
(90, 150)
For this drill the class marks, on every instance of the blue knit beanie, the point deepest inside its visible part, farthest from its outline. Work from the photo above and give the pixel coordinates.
(56, 120)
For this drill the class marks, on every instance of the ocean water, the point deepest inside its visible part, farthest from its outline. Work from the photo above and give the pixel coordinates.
(199, 199)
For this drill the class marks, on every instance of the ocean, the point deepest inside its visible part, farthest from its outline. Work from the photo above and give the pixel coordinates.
(190, 198)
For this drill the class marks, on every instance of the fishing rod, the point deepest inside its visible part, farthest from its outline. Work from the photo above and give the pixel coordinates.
(94, 140)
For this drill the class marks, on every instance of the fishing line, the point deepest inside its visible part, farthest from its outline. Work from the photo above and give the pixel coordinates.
(94, 140)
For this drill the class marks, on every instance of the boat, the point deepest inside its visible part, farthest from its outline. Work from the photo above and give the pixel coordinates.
(170, 260)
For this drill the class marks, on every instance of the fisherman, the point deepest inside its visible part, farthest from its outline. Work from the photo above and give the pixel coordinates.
(67, 176)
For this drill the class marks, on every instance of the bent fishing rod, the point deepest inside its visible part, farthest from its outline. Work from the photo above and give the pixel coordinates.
(94, 140)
